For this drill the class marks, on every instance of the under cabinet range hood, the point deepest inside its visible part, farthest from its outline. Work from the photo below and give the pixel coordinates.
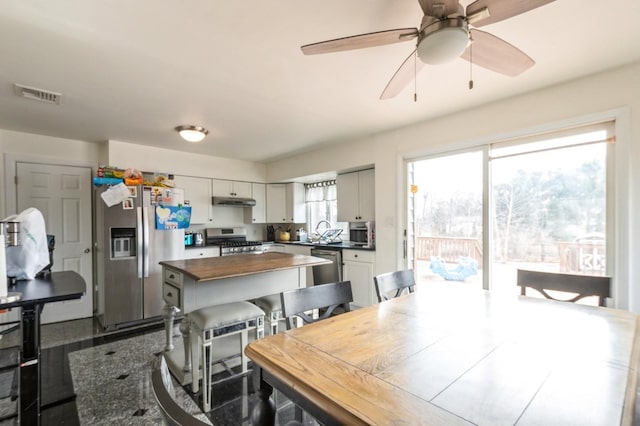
(233, 201)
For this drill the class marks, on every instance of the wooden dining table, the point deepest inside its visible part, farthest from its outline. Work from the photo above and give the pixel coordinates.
(449, 355)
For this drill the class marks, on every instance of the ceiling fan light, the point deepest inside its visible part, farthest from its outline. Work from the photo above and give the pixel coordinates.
(443, 41)
(192, 133)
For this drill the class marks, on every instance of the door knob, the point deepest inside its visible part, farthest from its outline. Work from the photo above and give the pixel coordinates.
(87, 250)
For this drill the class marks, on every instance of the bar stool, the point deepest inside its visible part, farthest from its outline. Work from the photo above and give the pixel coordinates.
(273, 311)
(272, 307)
(208, 324)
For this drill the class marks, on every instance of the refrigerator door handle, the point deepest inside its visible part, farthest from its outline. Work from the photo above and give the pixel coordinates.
(139, 237)
(145, 224)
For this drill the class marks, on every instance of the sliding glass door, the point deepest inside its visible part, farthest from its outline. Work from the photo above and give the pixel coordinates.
(549, 209)
(543, 201)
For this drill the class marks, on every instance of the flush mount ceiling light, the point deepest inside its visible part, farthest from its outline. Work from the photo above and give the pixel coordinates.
(192, 133)
(443, 41)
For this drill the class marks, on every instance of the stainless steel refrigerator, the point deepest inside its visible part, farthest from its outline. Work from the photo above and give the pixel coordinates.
(128, 249)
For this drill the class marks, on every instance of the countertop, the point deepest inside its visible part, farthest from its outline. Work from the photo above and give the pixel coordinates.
(343, 245)
(215, 268)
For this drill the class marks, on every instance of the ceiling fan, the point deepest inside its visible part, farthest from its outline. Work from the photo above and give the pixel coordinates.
(445, 34)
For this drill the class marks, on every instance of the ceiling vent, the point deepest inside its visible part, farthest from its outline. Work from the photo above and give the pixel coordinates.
(37, 94)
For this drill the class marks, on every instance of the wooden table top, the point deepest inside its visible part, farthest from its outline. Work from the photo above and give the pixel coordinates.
(215, 268)
(448, 356)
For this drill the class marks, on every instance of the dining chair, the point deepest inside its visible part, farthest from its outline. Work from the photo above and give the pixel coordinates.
(324, 299)
(162, 387)
(398, 282)
(579, 286)
(328, 298)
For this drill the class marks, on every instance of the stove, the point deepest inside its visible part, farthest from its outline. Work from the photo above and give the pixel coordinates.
(232, 241)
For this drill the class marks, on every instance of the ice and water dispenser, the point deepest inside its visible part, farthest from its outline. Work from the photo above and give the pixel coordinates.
(123, 242)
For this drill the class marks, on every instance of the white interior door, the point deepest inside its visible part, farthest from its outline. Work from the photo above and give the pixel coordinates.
(63, 195)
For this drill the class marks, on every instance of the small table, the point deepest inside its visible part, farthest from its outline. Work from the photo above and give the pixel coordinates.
(59, 286)
(448, 356)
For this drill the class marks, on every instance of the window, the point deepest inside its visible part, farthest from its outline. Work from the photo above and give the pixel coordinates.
(322, 204)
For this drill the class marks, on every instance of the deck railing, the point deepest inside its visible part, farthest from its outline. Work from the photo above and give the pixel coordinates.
(582, 258)
(573, 257)
(448, 248)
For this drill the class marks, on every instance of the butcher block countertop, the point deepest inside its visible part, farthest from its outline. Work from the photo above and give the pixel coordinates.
(215, 268)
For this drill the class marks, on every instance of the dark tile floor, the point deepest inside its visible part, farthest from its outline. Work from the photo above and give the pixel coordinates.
(92, 377)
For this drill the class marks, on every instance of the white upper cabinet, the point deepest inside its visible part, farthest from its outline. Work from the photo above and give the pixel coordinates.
(198, 192)
(296, 208)
(230, 188)
(285, 203)
(356, 196)
(276, 203)
(257, 213)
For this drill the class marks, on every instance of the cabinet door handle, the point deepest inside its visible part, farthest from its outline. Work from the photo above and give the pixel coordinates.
(171, 276)
(169, 294)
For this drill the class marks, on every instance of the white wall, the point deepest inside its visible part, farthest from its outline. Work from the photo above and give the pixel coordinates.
(18, 146)
(612, 94)
(145, 158)
(32, 147)
(47, 149)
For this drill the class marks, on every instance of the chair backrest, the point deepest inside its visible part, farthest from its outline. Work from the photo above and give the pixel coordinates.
(582, 285)
(172, 413)
(397, 281)
(295, 303)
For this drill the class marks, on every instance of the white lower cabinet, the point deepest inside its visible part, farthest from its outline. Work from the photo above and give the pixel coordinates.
(198, 252)
(279, 248)
(358, 267)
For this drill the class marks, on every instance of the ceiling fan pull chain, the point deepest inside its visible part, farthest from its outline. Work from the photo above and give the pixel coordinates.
(415, 72)
(471, 63)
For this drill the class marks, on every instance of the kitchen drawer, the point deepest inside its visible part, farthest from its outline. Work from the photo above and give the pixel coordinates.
(197, 253)
(171, 294)
(280, 248)
(358, 256)
(173, 276)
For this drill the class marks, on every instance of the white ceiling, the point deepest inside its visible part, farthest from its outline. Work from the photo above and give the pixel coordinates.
(133, 70)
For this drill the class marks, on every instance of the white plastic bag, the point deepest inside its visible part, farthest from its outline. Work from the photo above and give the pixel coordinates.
(27, 259)
(115, 194)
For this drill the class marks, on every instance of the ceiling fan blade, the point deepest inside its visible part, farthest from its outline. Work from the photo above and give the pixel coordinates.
(497, 55)
(361, 41)
(407, 71)
(439, 8)
(500, 9)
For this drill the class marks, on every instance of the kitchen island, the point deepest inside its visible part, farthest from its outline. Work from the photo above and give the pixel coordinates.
(192, 284)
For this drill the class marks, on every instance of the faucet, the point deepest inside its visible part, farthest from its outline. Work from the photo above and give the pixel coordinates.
(320, 223)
